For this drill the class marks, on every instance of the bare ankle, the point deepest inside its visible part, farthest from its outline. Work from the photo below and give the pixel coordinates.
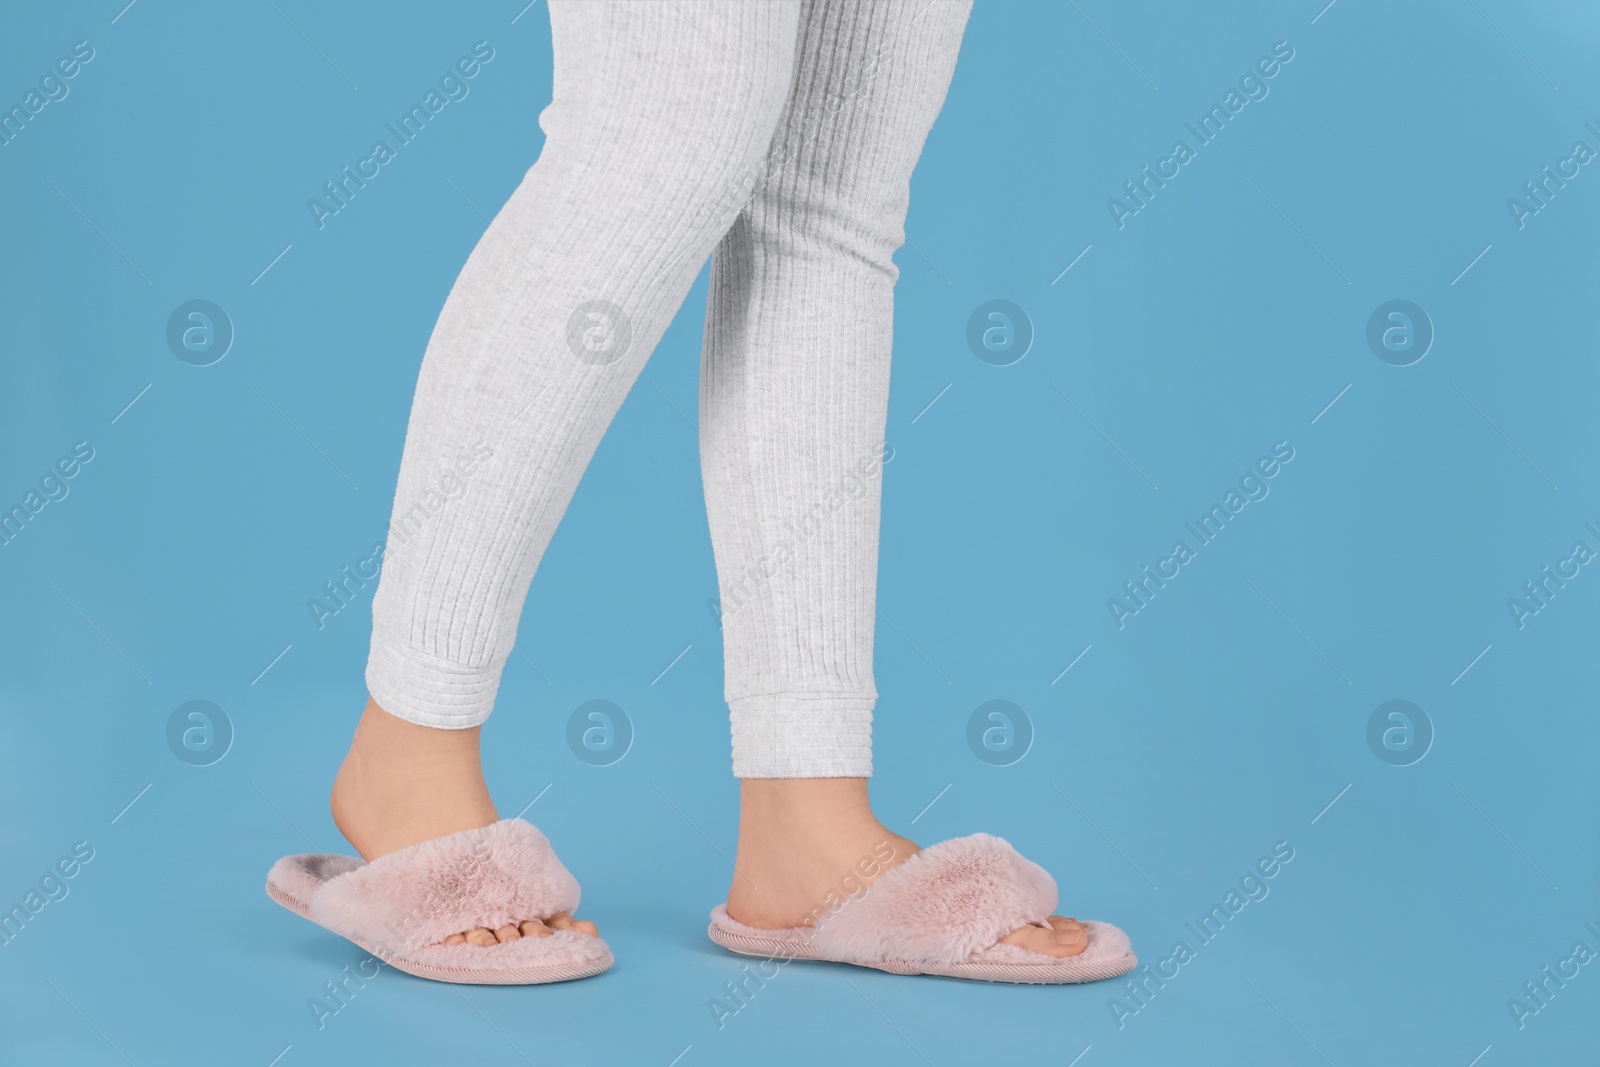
(804, 844)
(380, 733)
(402, 783)
(803, 801)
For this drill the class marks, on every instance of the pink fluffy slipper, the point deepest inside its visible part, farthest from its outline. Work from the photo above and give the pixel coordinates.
(943, 911)
(401, 906)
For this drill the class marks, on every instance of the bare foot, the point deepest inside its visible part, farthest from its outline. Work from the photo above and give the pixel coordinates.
(401, 784)
(806, 841)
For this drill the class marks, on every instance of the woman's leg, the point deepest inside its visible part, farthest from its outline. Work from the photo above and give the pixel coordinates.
(795, 386)
(660, 115)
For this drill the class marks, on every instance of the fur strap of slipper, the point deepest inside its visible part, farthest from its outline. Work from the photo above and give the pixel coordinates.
(942, 905)
(502, 873)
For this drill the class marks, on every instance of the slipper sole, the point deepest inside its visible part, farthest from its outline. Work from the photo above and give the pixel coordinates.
(1054, 973)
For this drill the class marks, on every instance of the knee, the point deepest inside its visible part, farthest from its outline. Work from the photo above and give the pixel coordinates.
(689, 136)
(861, 227)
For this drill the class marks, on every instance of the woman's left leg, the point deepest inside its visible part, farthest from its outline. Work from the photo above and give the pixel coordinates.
(659, 117)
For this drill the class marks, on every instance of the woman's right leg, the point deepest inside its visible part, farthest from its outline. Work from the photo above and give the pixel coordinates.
(794, 396)
(660, 116)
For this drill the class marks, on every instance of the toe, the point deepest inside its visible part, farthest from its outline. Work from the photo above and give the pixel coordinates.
(508, 932)
(534, 928)
(1071, 936)
(1070, 943)
(482, 937)
(562, 921)
(1050, 940)
(456, 939)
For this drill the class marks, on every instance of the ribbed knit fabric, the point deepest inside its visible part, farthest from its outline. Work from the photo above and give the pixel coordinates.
(659, 144)
(795, 383)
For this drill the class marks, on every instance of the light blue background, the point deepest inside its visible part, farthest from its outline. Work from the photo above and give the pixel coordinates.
(1223, 318)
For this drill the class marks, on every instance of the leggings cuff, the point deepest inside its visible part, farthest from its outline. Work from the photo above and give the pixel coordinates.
(425, 690)
(799, 736)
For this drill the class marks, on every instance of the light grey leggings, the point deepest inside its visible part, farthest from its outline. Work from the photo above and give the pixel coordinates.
(782, 135)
